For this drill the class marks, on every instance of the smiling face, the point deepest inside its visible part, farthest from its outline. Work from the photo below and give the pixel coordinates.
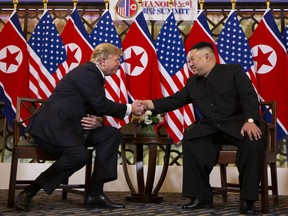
(201, 61)
(110, 65)
(107, 57)
(198, 62)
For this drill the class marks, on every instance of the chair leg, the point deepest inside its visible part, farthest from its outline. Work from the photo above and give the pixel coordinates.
(64, 191)
(88, 172)
(223, 173)
(12, 181)
(4, 139)
(274, 183)
(264, 191)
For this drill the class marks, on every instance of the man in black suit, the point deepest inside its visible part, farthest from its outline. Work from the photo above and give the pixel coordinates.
(225, 97)
(67, 124)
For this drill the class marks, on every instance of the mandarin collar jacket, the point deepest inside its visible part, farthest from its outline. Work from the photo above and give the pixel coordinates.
(225, 100)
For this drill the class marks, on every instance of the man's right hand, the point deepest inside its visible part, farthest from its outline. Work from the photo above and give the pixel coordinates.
(137, 107)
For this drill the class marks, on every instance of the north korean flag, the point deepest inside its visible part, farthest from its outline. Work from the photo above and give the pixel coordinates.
(13, 66)
(270, 61)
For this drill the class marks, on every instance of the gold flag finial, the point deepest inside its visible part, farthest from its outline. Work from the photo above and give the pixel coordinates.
(45, 2)
(140, 3)
(233, 4)
(268, 4)
(15, 3)
(75, 3)
(106, 4)
(201, 3)
(171, 3)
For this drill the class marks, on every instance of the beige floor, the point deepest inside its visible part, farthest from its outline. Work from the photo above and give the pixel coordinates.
(53, 205)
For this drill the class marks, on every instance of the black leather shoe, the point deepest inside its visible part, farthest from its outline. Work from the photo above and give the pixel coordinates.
(101, 201)
(247, 207)
(198, 203)
(23, 201)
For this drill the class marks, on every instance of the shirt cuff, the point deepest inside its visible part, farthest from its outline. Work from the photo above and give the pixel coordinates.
(129, 109)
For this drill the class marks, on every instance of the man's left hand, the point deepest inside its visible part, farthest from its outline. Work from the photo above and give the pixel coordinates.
(91, 122)
(252, 130)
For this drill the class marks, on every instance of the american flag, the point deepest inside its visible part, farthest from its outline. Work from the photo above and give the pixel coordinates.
(285, 37)
(77, 44)
(174, 71)
(13, 67)
(126, 8)
(47, 52)
(271, 66)
(233, 46)
(115, 88)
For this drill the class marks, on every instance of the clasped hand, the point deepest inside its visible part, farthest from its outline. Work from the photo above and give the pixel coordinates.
(91, 122)
(139, 106)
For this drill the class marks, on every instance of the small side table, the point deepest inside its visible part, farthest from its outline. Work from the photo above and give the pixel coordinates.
(145, 192)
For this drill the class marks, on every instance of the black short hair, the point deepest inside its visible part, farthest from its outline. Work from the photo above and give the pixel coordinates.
(203, 44)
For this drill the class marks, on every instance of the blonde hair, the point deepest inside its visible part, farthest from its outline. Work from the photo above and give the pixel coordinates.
(104, 50)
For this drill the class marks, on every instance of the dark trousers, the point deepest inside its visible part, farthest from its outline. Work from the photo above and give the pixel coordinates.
(200, 156)
(70, 159)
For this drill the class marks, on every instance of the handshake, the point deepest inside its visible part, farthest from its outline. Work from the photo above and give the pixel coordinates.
(140, 106)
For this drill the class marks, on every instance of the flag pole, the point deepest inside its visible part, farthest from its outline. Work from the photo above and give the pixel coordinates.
(201, 3)
(45, 4)
(140, 3)
(233, 4)
(75, 3)
(106, 4)
(171, 3)
(15, 3)
(268, 4)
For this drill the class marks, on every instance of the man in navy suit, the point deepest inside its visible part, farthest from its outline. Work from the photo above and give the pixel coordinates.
(67, 124)
(225, 97)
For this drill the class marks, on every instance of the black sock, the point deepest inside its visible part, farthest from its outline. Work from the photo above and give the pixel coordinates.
(96, 188)
(33, 188)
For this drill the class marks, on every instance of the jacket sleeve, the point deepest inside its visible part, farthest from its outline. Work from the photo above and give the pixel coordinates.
(90, 86)
(175, 101)
(247, 95)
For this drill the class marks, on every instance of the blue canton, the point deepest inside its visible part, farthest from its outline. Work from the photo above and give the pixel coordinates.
(47, 43)
(105, 31)
(169, 46)
(232, 44)
(285, 37)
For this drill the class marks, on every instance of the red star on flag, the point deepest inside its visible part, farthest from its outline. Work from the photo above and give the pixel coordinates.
(134, 60)
(262, 58)
(71, 56)
(10, 58)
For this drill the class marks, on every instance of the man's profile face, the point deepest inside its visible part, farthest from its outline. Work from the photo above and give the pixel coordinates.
(199, 61)
(111, 65)
(189, 62)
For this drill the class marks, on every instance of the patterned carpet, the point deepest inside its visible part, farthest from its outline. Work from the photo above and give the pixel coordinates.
(43, 204)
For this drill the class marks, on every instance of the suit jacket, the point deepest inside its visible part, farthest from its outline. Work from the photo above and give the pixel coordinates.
(226, 99)
(82, 89)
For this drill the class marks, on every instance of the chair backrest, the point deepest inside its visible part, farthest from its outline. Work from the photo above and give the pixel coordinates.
(269, 118)
(25, 109)
(2, 104)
